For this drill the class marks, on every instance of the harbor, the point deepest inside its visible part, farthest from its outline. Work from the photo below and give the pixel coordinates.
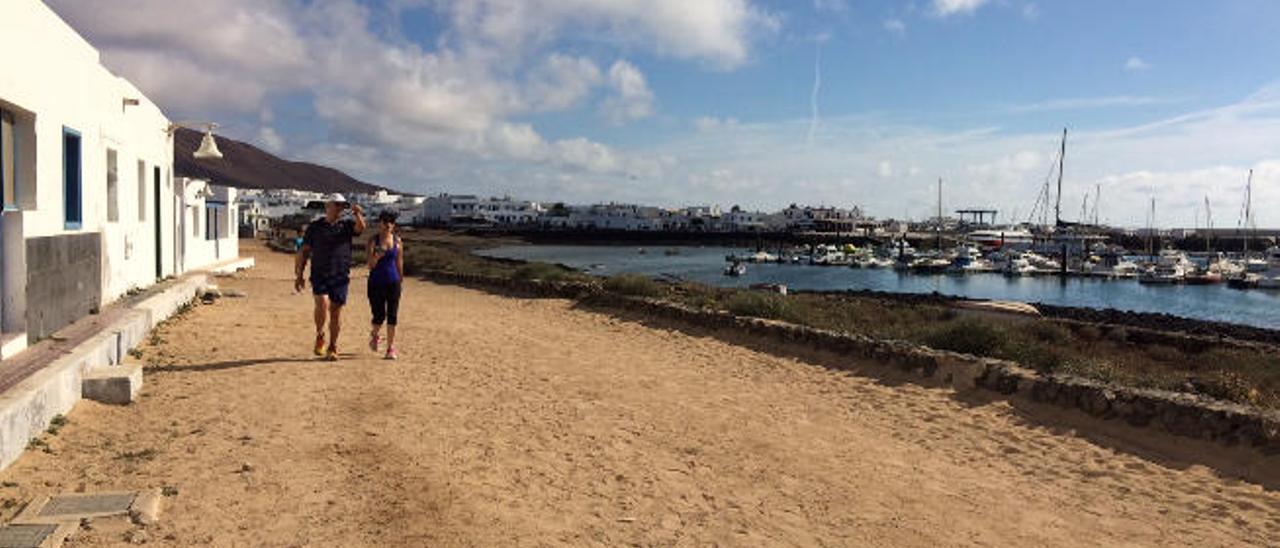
(798, 272)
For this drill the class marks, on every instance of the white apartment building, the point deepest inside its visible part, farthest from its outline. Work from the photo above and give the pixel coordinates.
(90, 209)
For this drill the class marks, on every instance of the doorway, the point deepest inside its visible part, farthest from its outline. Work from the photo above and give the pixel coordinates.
(159, 234)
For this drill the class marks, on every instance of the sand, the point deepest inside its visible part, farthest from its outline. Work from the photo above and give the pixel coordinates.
(513, 422)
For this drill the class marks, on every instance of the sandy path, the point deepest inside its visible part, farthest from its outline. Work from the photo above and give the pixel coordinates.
(521, 422)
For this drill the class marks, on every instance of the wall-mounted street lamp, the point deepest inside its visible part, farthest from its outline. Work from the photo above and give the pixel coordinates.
(208, 145)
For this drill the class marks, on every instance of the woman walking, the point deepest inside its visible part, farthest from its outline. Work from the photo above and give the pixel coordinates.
(386, 270)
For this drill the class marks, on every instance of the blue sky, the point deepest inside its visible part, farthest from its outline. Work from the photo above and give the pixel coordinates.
(674, 102)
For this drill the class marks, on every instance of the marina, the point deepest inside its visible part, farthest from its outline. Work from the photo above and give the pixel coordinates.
(1122, 291)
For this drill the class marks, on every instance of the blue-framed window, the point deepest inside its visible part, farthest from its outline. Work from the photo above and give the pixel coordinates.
(8, 163)
(72, 179)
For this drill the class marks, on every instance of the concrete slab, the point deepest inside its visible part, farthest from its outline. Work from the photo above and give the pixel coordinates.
(76, 506)
(113, 384)
(39, 535)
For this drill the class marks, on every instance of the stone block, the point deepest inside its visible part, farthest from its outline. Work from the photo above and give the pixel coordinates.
(118, 384)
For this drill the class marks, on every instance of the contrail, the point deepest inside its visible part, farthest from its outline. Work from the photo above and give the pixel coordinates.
(817, 86)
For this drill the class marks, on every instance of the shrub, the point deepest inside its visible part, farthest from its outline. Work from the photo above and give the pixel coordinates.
(633, 284)
(1048, 331)
(967, 336)
(760, 305)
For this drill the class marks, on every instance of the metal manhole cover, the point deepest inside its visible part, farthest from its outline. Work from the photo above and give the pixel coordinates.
(26, 536)
(87, 505)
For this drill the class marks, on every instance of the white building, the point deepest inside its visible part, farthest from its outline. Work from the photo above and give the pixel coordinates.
(449, 209)
(90, 209)
(508, 212)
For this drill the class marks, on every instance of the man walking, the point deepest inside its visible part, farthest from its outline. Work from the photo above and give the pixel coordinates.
(327, 244)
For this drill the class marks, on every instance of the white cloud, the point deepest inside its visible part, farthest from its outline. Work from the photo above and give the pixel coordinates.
(632, 99)
(716, 31)
(496, 62)
(944, 8)
(1085, 103)
(711, 123)
(271, 140)
(1135, 63)
(884, 169)
(895, 26)
(562, 81)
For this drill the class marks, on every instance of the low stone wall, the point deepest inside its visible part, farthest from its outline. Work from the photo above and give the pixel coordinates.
(1179, 414)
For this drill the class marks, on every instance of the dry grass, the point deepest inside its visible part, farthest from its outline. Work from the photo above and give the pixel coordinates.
(1102, 352)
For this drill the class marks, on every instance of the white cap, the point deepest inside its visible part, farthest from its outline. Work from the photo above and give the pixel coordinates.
(335, 197)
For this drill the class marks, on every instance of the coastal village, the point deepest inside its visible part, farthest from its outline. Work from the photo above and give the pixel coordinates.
(158, 385)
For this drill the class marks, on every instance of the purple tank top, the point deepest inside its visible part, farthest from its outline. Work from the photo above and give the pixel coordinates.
(385, 271)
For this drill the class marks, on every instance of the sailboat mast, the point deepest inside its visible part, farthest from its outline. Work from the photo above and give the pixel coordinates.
(939, 233)
(1208, 221)
(1248, 212)
(1097, 197)
(1062, 159)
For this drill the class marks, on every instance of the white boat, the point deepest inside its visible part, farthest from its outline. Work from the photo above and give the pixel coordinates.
(1020, 266)
(1268, 278)
(1125, 268)
(998, 239)
(735, 269)
(1171, 268)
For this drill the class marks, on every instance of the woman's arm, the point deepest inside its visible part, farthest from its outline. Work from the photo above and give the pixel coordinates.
(400, 257)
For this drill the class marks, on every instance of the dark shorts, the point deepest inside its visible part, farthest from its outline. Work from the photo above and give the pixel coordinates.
(334, 288)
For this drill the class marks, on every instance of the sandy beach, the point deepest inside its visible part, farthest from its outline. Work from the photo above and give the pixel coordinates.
(515, 422)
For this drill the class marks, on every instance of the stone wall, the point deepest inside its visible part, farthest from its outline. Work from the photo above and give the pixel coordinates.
(1179, 414)
(64, 281)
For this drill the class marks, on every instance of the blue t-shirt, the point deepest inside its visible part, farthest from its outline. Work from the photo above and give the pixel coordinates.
(330, 248)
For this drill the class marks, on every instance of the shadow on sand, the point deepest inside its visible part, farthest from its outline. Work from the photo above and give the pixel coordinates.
(231, 364)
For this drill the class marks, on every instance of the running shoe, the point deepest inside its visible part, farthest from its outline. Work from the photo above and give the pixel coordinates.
(320, 344)
(391, 354)
(332, 355)
(374, 341)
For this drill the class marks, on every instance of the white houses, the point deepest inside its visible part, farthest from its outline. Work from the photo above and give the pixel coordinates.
(90, 208)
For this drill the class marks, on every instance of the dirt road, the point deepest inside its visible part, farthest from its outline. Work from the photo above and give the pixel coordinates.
(528, 422)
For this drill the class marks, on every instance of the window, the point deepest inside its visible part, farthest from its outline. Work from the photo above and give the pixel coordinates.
(8, 162)
(72, 189)
(211, 224)
(142, 191)
(113, 185)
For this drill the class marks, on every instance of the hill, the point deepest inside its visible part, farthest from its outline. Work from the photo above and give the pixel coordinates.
(246, 166)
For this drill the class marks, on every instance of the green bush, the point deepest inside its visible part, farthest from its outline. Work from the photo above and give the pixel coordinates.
(757, 304)
(633, 284)
(967, 336)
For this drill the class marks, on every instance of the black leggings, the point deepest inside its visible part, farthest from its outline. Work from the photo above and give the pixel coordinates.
(384, 299)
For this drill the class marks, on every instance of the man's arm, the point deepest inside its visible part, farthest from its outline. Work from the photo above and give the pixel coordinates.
(358, 213)
(300, 266)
